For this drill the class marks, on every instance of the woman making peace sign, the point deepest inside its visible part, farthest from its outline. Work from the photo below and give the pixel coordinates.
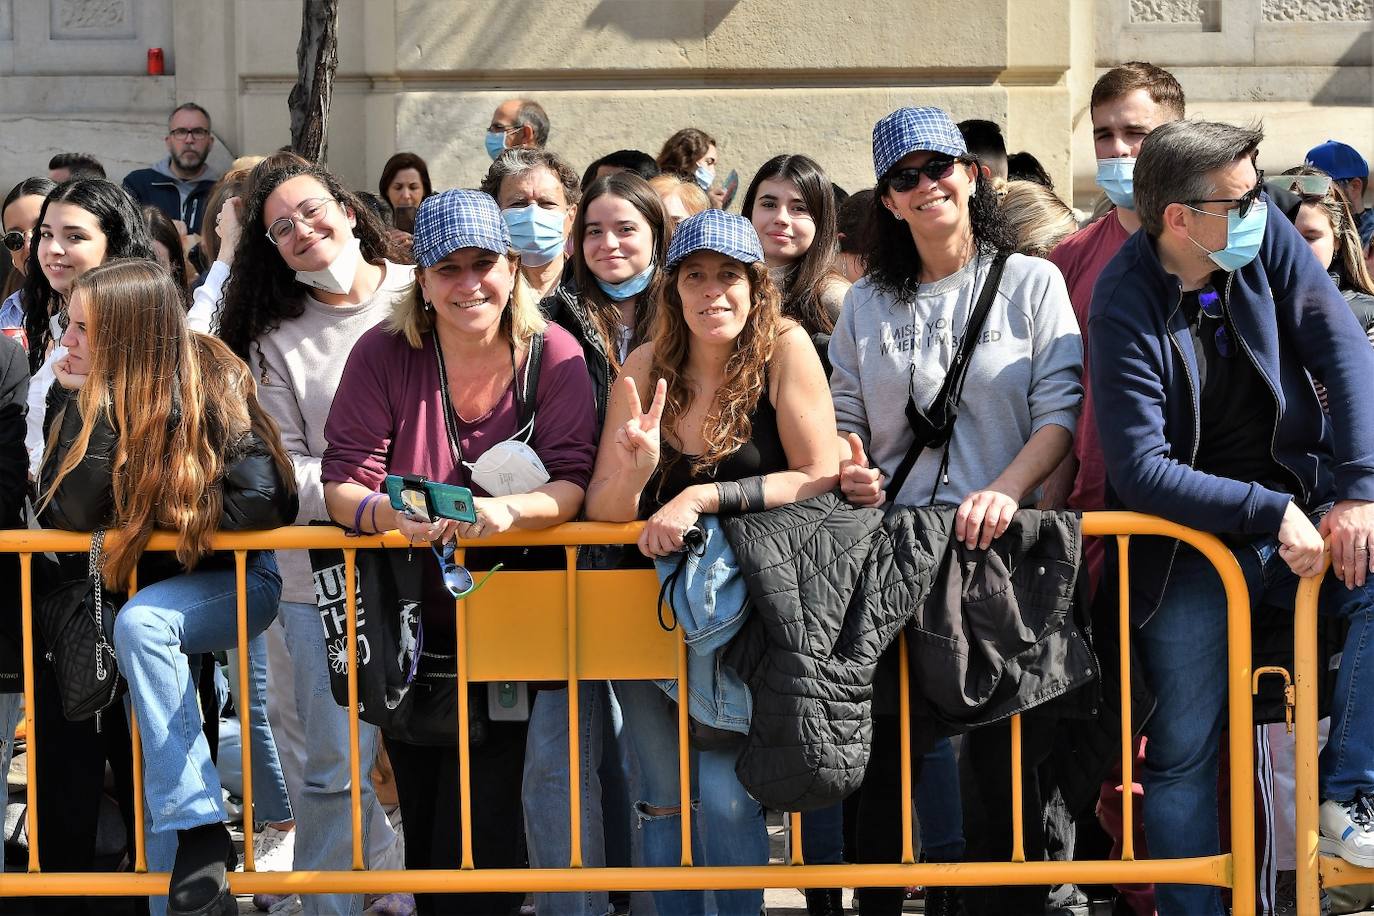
(740, 421)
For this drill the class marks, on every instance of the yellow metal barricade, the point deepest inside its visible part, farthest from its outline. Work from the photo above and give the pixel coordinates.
(570, 625)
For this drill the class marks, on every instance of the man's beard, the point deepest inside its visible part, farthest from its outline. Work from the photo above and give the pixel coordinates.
(189, 161)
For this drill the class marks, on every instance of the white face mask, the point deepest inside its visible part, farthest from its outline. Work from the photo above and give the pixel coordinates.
(338, 276)
(508, 468)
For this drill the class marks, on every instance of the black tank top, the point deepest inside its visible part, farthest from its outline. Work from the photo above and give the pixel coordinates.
(762, 454)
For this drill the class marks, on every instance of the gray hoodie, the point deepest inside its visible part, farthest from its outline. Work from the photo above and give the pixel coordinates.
(1026, 372)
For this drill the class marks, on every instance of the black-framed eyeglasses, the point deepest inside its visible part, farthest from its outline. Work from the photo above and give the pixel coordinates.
(904, 179)
(309, 212)
(1240, 204)
(189, 133)
(456, 577)
(14, 240)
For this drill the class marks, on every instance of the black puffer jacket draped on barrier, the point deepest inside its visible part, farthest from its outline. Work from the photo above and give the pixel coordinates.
(990, 633)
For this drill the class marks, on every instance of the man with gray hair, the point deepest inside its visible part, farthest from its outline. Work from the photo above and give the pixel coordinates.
(1204, 331)
(517, 122)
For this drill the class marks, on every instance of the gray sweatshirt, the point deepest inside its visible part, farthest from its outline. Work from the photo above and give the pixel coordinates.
(297, 367)
(1026, 372)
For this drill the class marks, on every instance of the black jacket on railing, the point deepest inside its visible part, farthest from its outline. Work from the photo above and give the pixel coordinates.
(14, 476)
(255, 497)
(990, 633)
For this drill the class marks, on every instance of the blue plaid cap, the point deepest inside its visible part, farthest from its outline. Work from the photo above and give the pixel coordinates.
(907, 130)
(718, 231)
(455, 219)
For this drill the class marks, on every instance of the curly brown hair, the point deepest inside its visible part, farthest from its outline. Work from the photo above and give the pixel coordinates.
(727, 425)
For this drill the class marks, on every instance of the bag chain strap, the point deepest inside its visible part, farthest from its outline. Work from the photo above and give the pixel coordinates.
(94, 574)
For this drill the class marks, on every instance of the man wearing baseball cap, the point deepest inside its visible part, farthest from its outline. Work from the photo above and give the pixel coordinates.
(1350, 171)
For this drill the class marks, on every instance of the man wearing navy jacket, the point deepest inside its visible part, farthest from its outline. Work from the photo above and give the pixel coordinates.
(1205, 328)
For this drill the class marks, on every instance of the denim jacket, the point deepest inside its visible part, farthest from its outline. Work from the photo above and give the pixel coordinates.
(707, 594)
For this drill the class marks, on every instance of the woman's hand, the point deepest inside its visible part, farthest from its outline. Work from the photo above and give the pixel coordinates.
(494, 516)
(638, 441)
(401, 239)
(421, 529)
(68, 379)
(982, 517)
(663, 532)
(228, 229)
(860, 484)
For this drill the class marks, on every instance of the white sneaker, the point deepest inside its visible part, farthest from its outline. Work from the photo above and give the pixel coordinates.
(273, 849)
(1347, 830)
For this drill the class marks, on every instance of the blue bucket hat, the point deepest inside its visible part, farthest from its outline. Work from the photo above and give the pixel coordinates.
(718, 231)
(1339, 160)
(907, 130)
(457, 219)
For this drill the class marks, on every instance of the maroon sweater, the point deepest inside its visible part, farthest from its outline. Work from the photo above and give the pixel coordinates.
(387, 418)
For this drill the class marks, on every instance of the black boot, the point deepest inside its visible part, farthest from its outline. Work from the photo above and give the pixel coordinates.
(824, 901)
(943, 901)
(200, 882)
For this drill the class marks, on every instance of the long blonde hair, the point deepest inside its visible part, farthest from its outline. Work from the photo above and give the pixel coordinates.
(727, 425)
(521, 319)
(180, 404)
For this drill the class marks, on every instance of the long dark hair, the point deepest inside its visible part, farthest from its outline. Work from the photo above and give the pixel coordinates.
(894, 264)
(126, 236)
(400, 162)
(804, 280)
(263, 291)
(162, 230)
(38, 186)
(604, 311)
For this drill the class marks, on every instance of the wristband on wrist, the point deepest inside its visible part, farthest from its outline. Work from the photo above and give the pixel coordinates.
(355, 531)
(729, 497)
(375, 502)
(751, 490)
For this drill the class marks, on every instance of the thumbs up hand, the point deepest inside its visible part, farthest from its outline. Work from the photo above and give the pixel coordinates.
(861, 484)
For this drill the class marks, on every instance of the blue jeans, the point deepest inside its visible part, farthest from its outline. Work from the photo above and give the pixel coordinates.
(939, 808)
(323, 812)
(728, 827)
(545, 792)
(1183, 648)
(10, 714)
(154, 633)
(271, 804)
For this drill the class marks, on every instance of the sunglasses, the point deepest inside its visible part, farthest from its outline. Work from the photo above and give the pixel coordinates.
(1303, 185)
(456, 577)
(14, 240)
(1240, 204)
(905, 179)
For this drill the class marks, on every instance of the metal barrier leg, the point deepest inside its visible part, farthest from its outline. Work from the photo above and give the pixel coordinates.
(354, 767)
(1123, 543)
(30, 732)
(904, 752)
(1305, 783)
(1018, 828)
(684, 762)
(574, 739)
(245, 705)
(460, 611)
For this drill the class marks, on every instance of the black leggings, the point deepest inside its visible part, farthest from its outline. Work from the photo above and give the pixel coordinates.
(878, 827)
(427, 788)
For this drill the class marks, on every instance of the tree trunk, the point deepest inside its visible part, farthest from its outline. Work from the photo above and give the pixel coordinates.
(317, 57)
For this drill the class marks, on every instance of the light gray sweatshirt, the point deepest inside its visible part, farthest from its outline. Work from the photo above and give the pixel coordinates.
(1026, 372)
(297, 367)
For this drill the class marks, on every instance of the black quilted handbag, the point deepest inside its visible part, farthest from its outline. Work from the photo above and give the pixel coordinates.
(76, 619)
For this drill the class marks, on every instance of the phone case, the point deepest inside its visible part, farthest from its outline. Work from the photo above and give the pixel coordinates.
(432, 500)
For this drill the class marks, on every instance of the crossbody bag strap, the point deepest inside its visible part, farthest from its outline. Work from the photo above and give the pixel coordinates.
(527, 393)
(958, 368)
(96, 576)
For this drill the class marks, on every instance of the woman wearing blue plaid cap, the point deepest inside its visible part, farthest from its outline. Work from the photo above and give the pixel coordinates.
(936, 235)
(739, 421)
(431, 392)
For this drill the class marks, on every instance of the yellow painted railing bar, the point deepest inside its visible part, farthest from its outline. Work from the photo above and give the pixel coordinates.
(574, 739)
(1305, 786)
(795, 838)
(245, 704)
(1208, 870)
(355, 789)
(136, 753)
(460, 611)
(1123, 543)
(30, 721)
(904, 748)
(684, 761)
(1018, 831)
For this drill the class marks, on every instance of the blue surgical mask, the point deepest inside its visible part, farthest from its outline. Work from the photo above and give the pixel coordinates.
(496, 142)
(1243, 237)
(704, 176)
(627, 289)
(1116, 178)
(536, 232)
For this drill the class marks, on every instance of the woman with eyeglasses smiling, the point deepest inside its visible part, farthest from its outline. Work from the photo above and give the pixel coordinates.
(310, 275)
(938, 243)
